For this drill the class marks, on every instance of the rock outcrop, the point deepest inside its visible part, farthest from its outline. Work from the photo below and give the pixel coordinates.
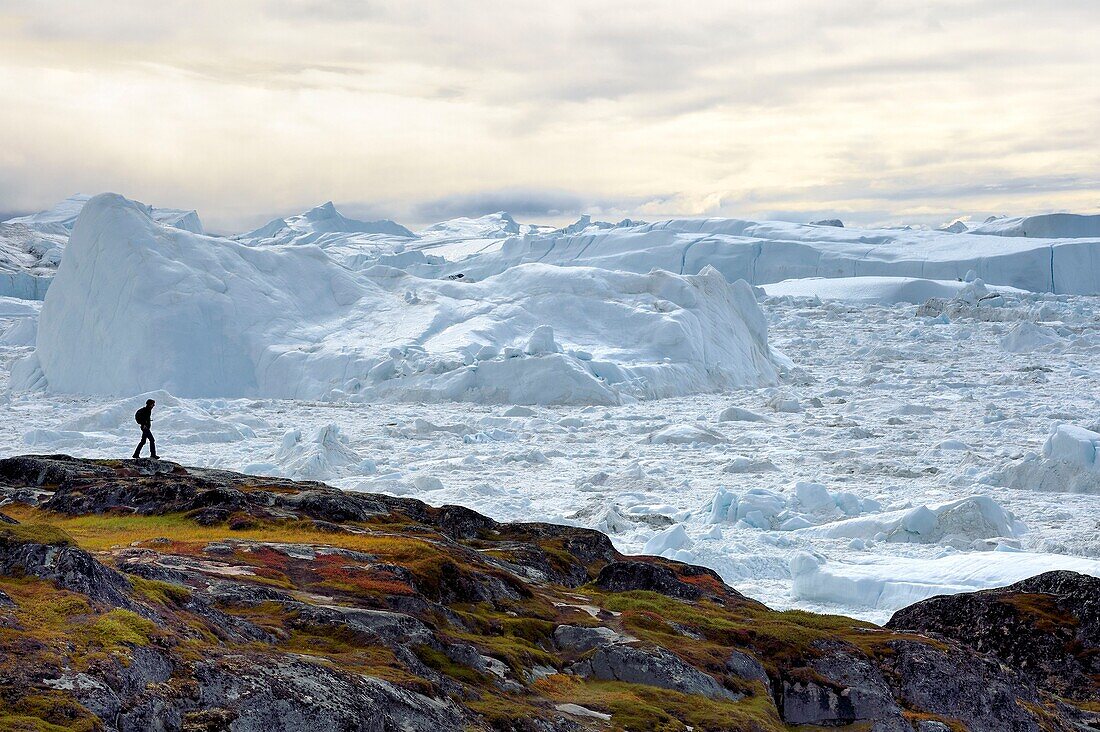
(139, 595)
(1047, 628)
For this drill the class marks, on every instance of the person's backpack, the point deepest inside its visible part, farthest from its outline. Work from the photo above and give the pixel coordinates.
(137, 416)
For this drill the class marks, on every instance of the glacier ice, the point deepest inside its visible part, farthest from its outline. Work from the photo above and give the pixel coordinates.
(204, 317)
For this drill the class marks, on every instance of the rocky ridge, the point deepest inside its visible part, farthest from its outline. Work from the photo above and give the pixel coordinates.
(140, 595)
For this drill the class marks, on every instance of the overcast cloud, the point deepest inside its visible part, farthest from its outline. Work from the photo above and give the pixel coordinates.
(871, 110)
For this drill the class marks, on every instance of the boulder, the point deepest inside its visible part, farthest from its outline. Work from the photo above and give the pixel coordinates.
(68, 567)
(746, 667)
(652, 667)
(841, 688)
(652, 577)
(580, 639)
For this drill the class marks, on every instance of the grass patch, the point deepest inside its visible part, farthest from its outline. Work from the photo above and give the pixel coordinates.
(46, 712)
(101, 532)
(638, 707)
(515, 634)
(507, 712)
(439, 661)
(117, 628)
(163, 593)
(1040, 610)
(34, 533)
(435, 567)
(780, 639)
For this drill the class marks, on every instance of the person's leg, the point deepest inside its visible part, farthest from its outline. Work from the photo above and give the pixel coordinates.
(137, 452)
(152, 445)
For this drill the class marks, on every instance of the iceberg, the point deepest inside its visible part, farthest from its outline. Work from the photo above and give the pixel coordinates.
(137, 306)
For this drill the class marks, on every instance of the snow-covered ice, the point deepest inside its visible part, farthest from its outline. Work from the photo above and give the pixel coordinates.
(1069, 463)
(885, 583)
(31, 247)
(849, 445)
(318, 226)
(770, 251)
(881, 290)
(210, 317)
(1044, 226)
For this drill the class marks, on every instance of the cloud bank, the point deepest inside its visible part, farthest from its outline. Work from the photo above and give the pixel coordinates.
(870, 110)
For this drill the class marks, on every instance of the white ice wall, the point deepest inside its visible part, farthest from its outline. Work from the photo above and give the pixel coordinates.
(767, 252)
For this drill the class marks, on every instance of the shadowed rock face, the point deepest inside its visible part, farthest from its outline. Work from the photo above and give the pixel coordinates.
(1046, 627)
(137, 595)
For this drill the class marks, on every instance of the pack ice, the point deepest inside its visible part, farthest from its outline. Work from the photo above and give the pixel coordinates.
(137, 305)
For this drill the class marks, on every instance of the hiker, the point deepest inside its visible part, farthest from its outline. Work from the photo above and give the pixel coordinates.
(144, 417)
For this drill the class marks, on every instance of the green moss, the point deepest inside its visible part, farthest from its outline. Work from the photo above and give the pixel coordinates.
(46, 712)
(34, 533)
(507, 712)
(118, 628)
(40, 606)
(510, 634)
(440, 662)
(531, 630)
(163, 593)
(638, 707)
(779, 639)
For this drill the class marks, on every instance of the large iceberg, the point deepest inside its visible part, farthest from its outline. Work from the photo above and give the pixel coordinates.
(319, 225)
(771, 251)
(1044, 226)
(1058, 253)
(31, 246)
(889, 583)
(138, 306)
(62, 217)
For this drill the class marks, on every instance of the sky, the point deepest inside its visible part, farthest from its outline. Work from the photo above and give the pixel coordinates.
(873, 111)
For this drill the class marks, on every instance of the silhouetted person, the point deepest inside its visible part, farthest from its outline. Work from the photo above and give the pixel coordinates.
(144, 417)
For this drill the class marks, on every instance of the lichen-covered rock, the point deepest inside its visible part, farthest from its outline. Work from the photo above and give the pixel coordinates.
(747, 668)
(1030, 626)
(842, 688)
(118, 690)
(666, 577)
(580, 639)
(293, 694)
(932, 725)
(976, 690)
(378, 626)
(69, 567)
(651, 667)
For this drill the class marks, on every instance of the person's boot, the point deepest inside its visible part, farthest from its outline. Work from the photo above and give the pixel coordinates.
(137, 456)
(154, 457)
